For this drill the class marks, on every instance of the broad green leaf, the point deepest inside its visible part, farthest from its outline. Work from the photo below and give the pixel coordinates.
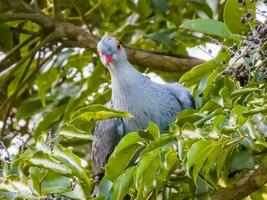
(124, 152)
(151, 133)
(70, 133)
(41, 145)
(208, 26)
(242, 160)
(44, 81)
(244, 91)
(6, 38)
(163, 142)
(153, 129)
(212, 158)
(200, 161)
(148, 169)
(195, 151)
(222, 159)
(18, 77)
(144, 8)
(198, 72)
(168, 160)
(122, 185)
(47, 161)
(234, 11)
(16, 188)
(144, 164)
(95, 112)
(35, 179)
(48, 120)
(29, 107)
(188, 116)
(105, 186)
(77, 192)
(199, 92)
(54, 183)
(73, 162)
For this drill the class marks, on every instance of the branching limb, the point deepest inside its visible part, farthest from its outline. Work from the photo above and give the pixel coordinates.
(248, 184)
(154, 61)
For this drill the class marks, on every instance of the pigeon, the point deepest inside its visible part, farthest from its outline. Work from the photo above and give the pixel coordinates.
(135, 93)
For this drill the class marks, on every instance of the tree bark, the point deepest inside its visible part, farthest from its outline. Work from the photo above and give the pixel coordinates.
(248, 184)
(142, 58)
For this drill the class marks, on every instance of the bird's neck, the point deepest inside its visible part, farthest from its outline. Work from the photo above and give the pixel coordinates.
(123, 73)
(126, 82)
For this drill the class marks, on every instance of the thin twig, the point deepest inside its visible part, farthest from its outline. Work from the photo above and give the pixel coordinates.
(56, 11)
(81, 15)
(31, 39)
(89, 12)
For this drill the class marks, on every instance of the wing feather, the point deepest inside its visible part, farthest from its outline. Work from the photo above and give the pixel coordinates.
(107, 135)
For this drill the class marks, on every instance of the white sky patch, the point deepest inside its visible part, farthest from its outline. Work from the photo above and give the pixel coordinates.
(156, 78)
(205, 52)
(261, 13)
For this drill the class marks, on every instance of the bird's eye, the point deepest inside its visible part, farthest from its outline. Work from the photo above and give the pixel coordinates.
(118, 46)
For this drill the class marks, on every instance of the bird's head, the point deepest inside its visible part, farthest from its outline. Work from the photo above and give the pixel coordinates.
(110, 51)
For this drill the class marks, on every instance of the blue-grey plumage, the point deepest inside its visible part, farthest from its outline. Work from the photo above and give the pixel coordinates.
(135, 93)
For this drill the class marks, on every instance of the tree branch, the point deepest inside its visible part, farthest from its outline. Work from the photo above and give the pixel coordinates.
(248, 184)
(154, 61)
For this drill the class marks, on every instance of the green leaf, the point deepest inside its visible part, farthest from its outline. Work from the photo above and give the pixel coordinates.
(48, 120)
(54, 183)
(77, 192)
(208, 26)
(168, 160)
(199, 92)
(44, 160)
(153, 129)
(198, 72)
(222, 158)
(144, 8)
(151, 133)
(163, 142)
(95, 112)
(44, 81)
(41, 145)
(144, 164)
(122, 185)
(242, 160)
(16, 188)
(194, 152)
(18, 77)
(212, 158)
(35, 177)
(29, 107)
(105, 186)
(124, 152)
(70, 133)
(152, 168)
(73, 162)
(234, 11)
(203, 155)
(6, 38)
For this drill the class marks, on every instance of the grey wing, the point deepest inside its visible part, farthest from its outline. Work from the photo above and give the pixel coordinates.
(107, 135)
(182, 94)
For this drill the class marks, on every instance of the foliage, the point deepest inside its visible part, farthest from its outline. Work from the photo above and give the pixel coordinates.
(51, 97)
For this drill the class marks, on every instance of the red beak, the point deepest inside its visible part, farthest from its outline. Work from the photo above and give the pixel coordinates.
(107, 58)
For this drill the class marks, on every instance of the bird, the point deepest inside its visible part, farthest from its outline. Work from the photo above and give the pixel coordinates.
(135, 93)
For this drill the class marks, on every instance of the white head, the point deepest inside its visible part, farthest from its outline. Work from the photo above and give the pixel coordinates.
(111, 51)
